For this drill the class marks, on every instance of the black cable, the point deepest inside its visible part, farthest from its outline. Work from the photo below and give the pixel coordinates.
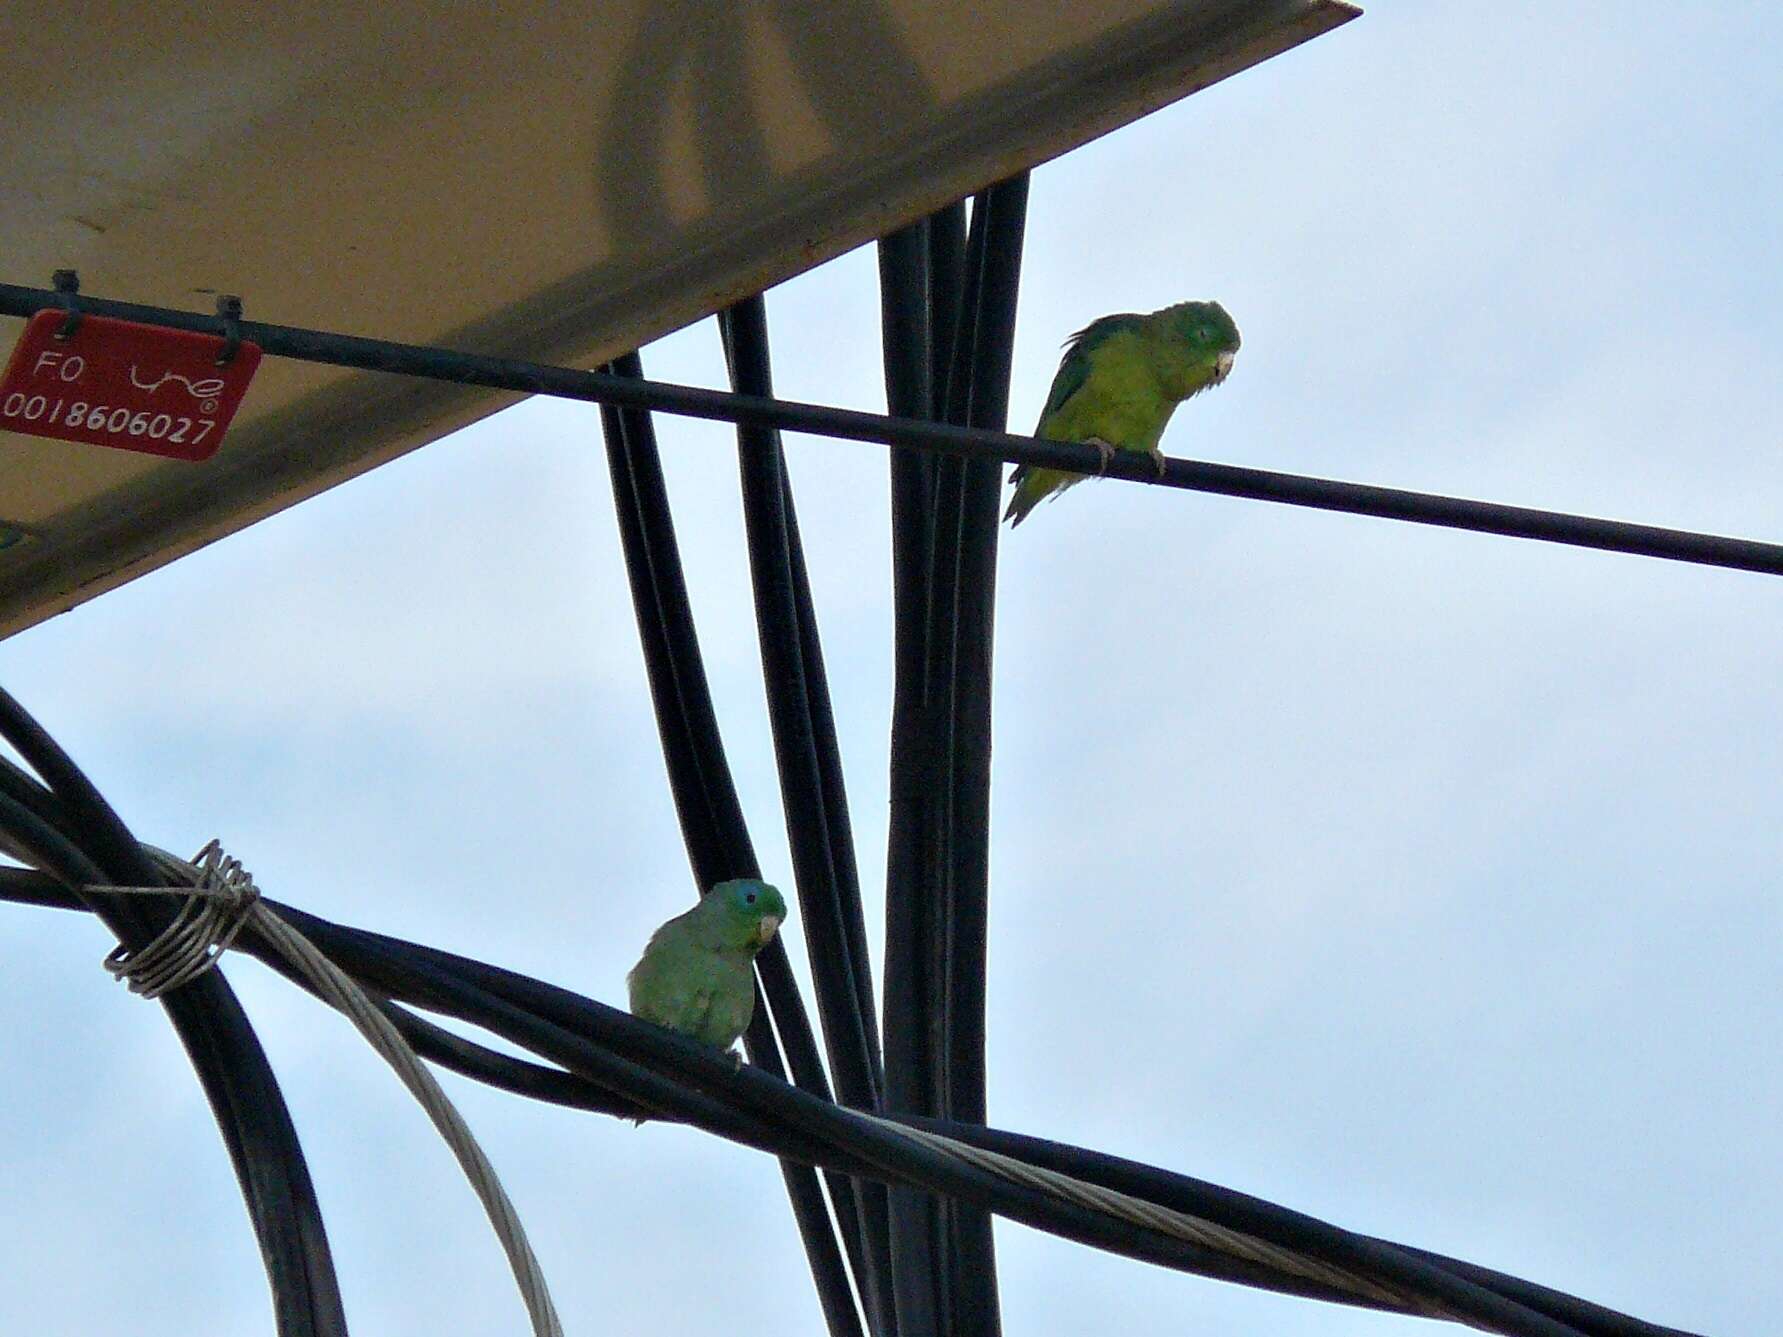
(956, 740)
(815, 806)
(992, 341)
(89, 845)
(1197, 476)
(982, 373)
(934, 290)
(824, 900)
(947, 294)
(609, 1046)
(956, 261)
(831, 786)
(587, 1036)
(908, 299)
(684, 1079)
(712, 824)
(1282, 1225)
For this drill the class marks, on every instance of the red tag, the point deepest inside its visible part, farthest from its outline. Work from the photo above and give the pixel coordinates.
(120, 384)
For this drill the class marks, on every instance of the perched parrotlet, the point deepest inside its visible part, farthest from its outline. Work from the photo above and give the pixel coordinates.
(1120, 380)
(697, 973)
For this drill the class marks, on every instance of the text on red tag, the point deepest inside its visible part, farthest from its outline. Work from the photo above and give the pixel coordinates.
(128, 386)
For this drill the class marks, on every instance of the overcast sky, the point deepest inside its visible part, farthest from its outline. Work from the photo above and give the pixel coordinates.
(1421, 880)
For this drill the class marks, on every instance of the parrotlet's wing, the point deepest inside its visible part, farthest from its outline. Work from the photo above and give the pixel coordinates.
(697, 975)
(1033, 484)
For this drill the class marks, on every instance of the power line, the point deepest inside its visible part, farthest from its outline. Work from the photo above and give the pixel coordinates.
(439, 364)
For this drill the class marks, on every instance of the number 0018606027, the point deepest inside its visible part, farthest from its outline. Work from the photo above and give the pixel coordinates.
(176, 429)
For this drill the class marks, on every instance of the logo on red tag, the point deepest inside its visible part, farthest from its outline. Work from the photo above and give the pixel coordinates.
(128, 386)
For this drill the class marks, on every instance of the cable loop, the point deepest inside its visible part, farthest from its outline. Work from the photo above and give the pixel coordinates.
(221, 899)
(221, 902)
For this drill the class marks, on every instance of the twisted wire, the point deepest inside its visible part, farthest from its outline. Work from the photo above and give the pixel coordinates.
(1169, 1221)
(222, 900)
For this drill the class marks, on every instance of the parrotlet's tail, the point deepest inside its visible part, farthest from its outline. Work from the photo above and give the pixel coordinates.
(1033, 486)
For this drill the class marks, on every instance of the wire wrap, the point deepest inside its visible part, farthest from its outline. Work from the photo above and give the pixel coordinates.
(221, 900)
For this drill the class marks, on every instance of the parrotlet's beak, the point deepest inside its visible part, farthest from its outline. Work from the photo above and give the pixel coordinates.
(1222, 367)
(764, 931)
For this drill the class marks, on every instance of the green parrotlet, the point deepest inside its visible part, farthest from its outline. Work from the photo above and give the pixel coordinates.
(697, 973)
(1120, 380)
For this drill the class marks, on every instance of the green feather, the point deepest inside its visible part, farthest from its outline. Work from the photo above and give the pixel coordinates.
(697, 973)
(1074, 368)
(1120, 380)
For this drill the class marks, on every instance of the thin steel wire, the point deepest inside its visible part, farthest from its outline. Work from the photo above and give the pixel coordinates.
(1181, 1225)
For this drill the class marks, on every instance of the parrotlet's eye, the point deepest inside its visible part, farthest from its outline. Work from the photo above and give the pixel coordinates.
(750, 898)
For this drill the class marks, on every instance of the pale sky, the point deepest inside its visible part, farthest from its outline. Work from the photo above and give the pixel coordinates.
(1423, 881)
